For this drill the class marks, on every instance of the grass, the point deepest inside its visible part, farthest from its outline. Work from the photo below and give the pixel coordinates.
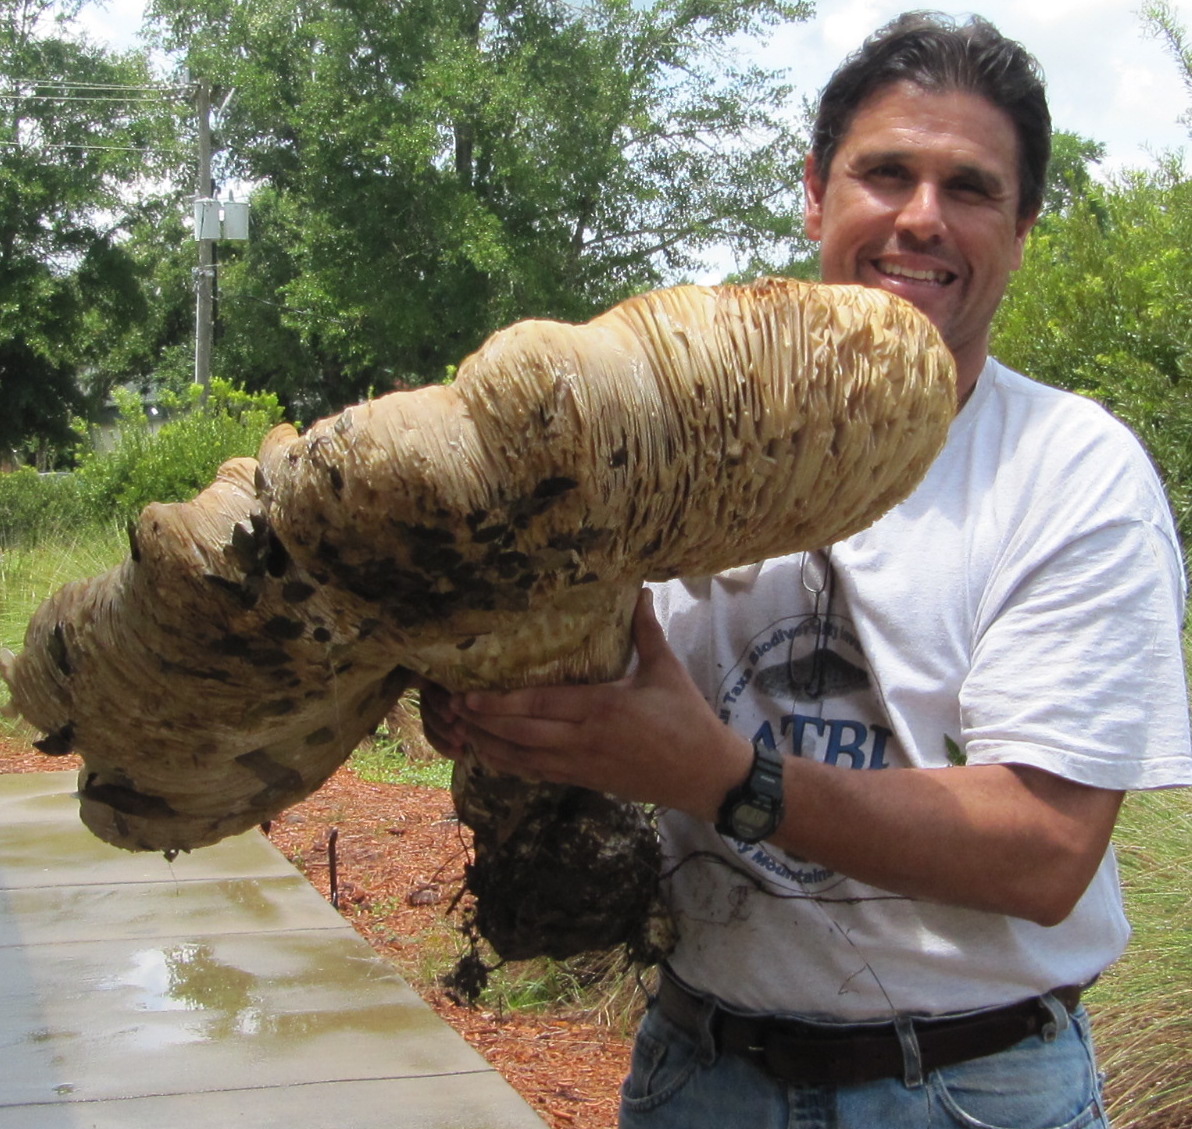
(1142, 1007)
(398, 753)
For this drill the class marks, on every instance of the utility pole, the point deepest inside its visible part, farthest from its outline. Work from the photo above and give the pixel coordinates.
(205, 275)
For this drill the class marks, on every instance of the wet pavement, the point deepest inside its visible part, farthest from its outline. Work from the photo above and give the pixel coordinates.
(217, 988)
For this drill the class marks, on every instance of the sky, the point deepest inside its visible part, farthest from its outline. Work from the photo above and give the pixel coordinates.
(1106, 78)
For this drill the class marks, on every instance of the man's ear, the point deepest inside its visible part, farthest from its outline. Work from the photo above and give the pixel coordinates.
(1021, 231)
(813, 198)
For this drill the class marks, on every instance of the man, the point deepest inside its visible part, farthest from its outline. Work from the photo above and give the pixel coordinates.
(891, 769)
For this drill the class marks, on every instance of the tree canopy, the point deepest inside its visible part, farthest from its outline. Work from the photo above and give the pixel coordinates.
(76, 131)
(430, 171)
(1101, 306)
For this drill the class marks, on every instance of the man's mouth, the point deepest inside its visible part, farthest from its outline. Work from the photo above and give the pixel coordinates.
(896, 270)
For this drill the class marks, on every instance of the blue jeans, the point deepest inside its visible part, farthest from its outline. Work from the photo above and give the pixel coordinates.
(677, 1081)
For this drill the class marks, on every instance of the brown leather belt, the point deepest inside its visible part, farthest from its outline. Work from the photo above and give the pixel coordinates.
(814, 1054)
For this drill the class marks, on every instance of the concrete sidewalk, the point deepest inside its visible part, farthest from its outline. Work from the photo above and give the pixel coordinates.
(219, 989)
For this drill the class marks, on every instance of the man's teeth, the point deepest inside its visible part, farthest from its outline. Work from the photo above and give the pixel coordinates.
(940, 276)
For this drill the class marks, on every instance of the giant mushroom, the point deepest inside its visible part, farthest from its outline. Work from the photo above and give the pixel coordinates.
(490, 533)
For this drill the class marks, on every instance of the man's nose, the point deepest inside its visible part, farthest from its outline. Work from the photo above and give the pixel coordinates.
(921, 215)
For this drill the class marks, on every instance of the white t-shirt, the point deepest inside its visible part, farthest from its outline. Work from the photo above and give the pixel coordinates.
(1022, 606)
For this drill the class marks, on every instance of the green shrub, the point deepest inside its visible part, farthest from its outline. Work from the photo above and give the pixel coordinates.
(37, 506)
(180, 459)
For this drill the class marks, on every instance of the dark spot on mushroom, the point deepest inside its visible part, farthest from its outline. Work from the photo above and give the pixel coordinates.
(134, 547)
(466, 644)
(58, 652)
(554, 487)
(588, 578)
(367, 628)
(296, 591)
(337, 479)
(510, 564)
(653, 547)
(279, 627)
(127, 800)
(321, 635)
(276, 557)
(435, 559)
(235, 646)
(266, 769)
(57, 744)
(619, 457)
(427, 534)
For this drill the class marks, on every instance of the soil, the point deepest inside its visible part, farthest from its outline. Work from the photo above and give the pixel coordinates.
(399, 856)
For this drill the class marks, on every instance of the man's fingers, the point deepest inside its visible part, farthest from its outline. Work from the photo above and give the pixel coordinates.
(524, 732)
(648, 636)
(552, 703)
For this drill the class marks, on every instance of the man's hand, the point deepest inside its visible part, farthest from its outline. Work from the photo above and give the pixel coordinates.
(649, 737)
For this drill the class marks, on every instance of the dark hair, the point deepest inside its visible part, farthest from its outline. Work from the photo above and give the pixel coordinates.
(936, 53)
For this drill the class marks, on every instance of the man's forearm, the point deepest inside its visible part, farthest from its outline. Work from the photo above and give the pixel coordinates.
(1001, 838)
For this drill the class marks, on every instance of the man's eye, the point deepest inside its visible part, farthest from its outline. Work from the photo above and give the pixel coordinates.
(970, 188)
(887, 173)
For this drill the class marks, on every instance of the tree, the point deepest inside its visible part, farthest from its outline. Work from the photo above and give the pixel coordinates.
(1103, 306)
(75, 134)
(1069, 175)
(438, 168)
(1160, 19)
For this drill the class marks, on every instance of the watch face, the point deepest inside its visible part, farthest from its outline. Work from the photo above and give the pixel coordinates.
(750, 820)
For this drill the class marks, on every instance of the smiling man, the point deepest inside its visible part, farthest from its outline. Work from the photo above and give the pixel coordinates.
(922, 199)
(891, 769)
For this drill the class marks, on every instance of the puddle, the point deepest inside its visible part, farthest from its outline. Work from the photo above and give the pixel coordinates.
(188, 995)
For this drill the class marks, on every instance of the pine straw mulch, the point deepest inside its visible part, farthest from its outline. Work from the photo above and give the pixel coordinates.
(399, 855)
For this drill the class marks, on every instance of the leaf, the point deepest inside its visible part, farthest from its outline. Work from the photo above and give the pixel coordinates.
(956, 755)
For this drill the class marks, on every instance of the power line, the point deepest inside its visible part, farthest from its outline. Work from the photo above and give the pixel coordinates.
(79, 99)
(70, 84)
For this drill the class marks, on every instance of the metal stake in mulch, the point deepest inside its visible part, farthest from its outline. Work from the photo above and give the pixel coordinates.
(331, 865)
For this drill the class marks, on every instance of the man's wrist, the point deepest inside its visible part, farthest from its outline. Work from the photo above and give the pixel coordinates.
(753, 810)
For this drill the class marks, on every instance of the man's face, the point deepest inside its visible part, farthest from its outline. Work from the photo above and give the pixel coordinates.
(922, 200)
